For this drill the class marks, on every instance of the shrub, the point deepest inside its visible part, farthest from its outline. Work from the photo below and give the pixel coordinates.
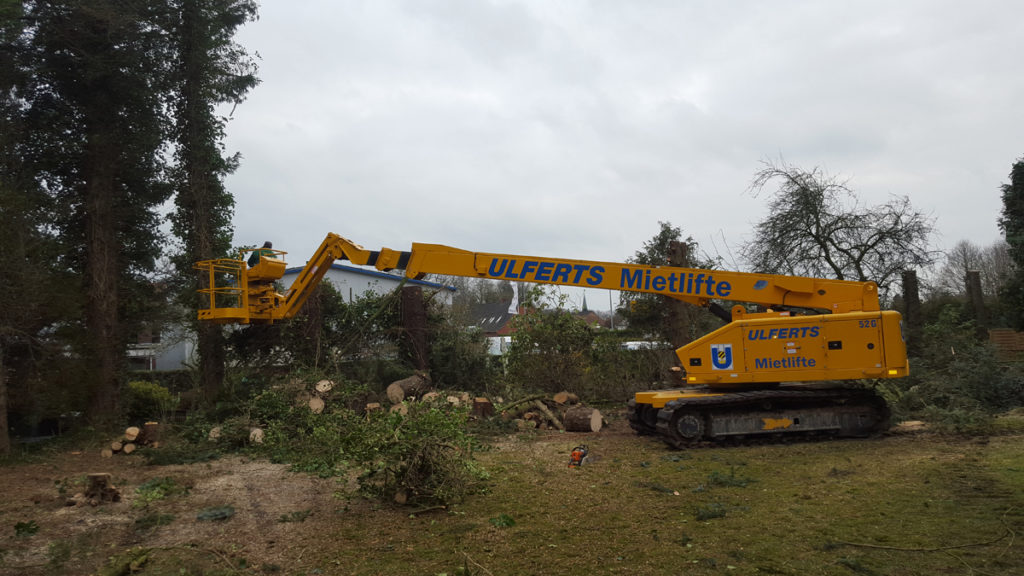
(144, 400)
(957, 383)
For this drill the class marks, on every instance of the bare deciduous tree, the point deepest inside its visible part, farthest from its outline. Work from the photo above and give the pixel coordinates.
(993, 262)
(817, 227)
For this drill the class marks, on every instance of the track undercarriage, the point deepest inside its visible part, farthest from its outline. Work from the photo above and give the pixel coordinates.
(701, 415)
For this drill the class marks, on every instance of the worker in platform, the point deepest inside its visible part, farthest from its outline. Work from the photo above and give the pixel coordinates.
(266, 250)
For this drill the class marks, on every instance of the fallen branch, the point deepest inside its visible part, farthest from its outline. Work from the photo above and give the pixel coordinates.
(547, 413)
(471, 561)
(528, 399)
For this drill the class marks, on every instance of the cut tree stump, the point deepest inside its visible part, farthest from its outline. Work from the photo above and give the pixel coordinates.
(256, 436)
(151, 432)
(316, 405)
(482, 408)
(99, 489)
(412, 386)
(583, 419)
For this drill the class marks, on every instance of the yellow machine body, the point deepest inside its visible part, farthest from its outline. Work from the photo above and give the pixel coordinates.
(845, 337)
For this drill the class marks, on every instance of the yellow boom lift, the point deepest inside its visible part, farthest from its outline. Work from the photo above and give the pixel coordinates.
(762, 374)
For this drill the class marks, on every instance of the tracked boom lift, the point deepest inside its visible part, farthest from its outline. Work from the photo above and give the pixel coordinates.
(765, 373)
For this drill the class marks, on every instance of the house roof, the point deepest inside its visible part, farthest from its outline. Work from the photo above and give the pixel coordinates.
(377, 274)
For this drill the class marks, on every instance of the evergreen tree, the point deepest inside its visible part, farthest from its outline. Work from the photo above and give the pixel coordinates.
(95, 119)
(212, 70)
(1011, 222)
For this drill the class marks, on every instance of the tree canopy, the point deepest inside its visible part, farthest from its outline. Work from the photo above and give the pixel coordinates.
(817, 227)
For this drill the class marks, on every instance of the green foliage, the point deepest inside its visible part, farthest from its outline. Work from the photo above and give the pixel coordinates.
(327, 334)
(1011, 222)
(295, 516)
(150, 521)
(958, 383)
(550, 350)
(23, 529)
(710, 511)
(216, 513)
(555, 350)
(157, 489)
(144, 401)
(502, 521)
(717, 478)
(459, 359)
(424, 456)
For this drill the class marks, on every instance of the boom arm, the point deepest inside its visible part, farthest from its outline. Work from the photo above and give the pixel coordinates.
(690, 285)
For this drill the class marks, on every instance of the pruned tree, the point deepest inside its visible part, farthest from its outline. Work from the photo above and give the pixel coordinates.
(817, 227)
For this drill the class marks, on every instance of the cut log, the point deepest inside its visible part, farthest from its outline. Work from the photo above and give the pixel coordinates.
(214, 433)
(565, 397)
(482, 408)
(324, 386)
(402, 409)
(99, 489)
(453, 400)
(256, 436)
(583, 419)
(412, 386)
(373, 406)
(128, 448)
(316, 405)
(131, 433)
(430, 397)
(107, 453)
(522, 424)
(116, 445)
(549, 415)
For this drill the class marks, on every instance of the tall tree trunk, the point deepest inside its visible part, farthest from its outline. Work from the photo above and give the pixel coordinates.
(102, 253)
(414, 323)
(914, 320)
(5, 438)
(680, 314)
(977, 302)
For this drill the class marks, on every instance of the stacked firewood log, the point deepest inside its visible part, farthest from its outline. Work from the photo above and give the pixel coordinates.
(133, 438)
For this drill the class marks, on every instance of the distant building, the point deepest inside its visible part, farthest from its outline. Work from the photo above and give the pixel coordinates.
(352, 282)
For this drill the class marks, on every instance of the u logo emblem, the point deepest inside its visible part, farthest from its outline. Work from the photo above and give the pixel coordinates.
(721, 356)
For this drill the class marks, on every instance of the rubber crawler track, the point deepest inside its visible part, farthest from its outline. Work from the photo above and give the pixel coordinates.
(811, 400)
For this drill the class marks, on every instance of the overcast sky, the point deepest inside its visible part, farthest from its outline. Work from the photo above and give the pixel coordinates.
(570, 128)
